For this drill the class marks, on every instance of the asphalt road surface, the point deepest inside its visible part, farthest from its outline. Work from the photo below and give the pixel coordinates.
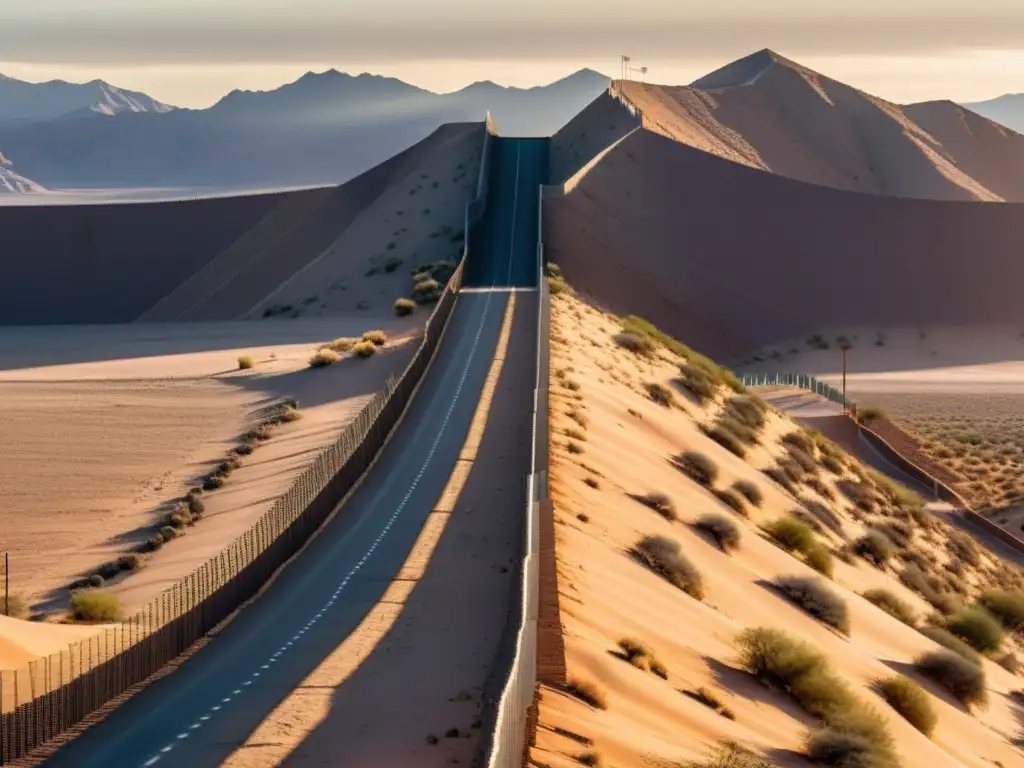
(198, 715)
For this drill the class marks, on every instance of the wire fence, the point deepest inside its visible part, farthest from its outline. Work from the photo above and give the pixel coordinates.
(54, 694)
(800, 380)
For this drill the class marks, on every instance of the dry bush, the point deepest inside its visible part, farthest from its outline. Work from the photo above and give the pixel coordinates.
(364, 348)
(817, 599)
(791, 534)
(820, 559)
(403, 307)
(849, 749)
(1007, 606)
(659, 394)
(660, 503)
(592, 759)
(951, 642)
(95, 605)
(824, 515)
(874, 547)
(722, 529)
(426, 290)
(637, 343)
(799, 440)
(711, 700)
(587, 692)
(966, 681)
(245, 362)
(342, 345)
(804, 460)
(1009, 662)
(697, 467)
(963, 547)
(727, 438)
(910, 700)
(816, 485)
(324, 358)
(663, 556)
(697, 382)
(377, 338)
(747, 410)
(916, 579)
(732, 500)
(781, 478)
(859, 494)
(729, 755)
(897, 531)
(832, 464)
(749, 491)
(892, 605)
(976, 627)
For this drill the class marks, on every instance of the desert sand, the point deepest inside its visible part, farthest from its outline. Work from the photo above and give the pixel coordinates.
(111, 425)
(733, 258)
(773, 114)
(606, 595)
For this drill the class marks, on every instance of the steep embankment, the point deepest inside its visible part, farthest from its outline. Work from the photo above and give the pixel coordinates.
(734, 258)
(210, 259)
(770, 113)
(612, 445)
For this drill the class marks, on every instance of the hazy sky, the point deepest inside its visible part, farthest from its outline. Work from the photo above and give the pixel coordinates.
(191, 52)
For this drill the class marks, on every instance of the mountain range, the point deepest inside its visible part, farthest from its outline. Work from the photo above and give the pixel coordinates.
(1008, 110)
(324, 128)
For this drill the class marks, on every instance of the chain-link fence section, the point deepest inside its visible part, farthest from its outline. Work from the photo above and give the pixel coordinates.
(799, 380)
(54, 694)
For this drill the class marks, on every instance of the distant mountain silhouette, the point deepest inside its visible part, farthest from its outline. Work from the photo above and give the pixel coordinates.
(13, 183)
(1007, 110)
(21, 101)
(324, 128)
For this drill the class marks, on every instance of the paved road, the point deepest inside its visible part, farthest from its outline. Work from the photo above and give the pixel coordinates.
(198, 715)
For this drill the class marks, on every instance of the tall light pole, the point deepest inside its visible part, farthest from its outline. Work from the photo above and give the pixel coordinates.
(643, 74)
(627, 59)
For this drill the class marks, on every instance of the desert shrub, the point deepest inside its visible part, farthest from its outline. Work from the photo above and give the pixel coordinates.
(342, 345)
(1006, 606)
(574, 448)
(820, 559)
(587, 692)
(94, 605)
(722, 529)
(732, 500)
(951, 642)
(910, 700)
(637, 343)
(426, 290)
(847, 749)
(377, 338)
(552, 270)
(977, 627)
(1009, 661)
(897, 531)
(892, 605)
(966, 681)
(109, 569)
(807, 519)
(816, 485)
(859, 494)
(660, 503)
(403, 307)
(13, 606)
(832, 464)
(195, 506)
(633, 650)
(874, 547)
(178, 520)
(823, 515)
(800, 440)
(791, 534)
(697, 382)
(777, 659)
(153, 543)
(129, 563)
(592, 759)
(663, 556)
(245, 362)
(213, 482)
(749, 491)
(804, 460)
(168, 533)
(657, 668)
(659, 394)
(364, 348)
(747, 410)
(243, 449)
(922, 517)
(914, 578)
(323, 358)
(558, 286)
(781, 478)
(729, 755)
(963, 547)
(817, 599)
(728, 439)
(793, 471)
(697, 467)
(95, 581)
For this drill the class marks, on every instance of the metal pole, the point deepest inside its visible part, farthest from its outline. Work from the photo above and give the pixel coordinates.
(845, 410)
(7, 584)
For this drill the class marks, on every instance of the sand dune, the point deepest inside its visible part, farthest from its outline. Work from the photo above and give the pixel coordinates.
(733, 258)
(605, 595)
(770, 113)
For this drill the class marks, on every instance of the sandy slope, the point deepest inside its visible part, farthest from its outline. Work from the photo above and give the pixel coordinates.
(99, 449)
(605, 595)
(733, 258)
(771, 113)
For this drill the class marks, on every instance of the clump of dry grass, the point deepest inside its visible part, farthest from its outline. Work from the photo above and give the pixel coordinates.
(323, 358)
(711, 700)
(892, 605)
(963, 679)
(664, 556)
(245, 362)
(587, 692)
(94, 605)
(641, 656)
(697, 467)
(749, 491)
(377, 338)
(910, 700)
(723, 530)
(660, 503)
(817, 599)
